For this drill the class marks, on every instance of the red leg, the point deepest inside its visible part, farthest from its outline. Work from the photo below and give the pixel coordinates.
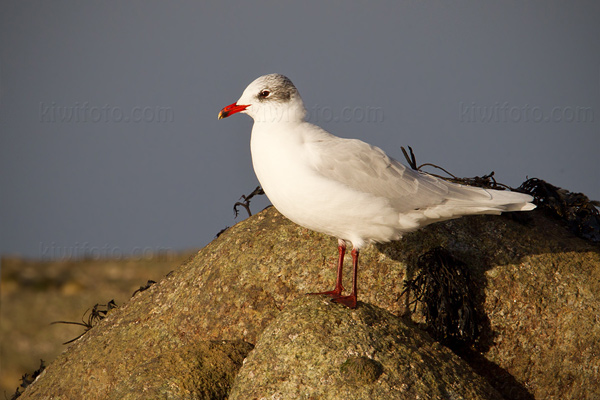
(337, 292)
(350, 301)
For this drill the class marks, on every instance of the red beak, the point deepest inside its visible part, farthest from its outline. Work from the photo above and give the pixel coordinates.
(231, 109)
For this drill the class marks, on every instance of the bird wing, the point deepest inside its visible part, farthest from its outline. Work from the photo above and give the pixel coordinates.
(368, 169)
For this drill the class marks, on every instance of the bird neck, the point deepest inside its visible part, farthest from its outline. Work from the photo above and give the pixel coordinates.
(292, 113)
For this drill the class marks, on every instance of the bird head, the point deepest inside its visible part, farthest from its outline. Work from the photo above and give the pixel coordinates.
(270, 98)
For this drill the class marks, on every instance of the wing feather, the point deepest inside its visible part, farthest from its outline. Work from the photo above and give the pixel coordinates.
(368, 169)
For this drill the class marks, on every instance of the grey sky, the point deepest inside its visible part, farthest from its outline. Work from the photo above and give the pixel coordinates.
(109, 138)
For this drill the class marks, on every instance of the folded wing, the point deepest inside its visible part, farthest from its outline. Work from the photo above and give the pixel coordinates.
(417, 196)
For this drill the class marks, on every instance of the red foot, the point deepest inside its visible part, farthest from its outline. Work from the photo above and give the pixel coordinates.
(331, 293)
(348, 301)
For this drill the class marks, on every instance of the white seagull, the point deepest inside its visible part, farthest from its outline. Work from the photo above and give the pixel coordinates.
(345, 187)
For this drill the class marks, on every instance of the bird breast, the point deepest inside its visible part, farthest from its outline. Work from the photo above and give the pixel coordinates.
(282, 162)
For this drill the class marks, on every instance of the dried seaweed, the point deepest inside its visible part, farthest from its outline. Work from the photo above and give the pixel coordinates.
(97, 314)
(144, 287)
(486, 181)
(246, 201)
(27, 380)
(221, 231)
(575, 209)
(444, 288)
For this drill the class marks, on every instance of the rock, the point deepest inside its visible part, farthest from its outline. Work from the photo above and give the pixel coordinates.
(316, 349)
(537, 286)
(202, 371)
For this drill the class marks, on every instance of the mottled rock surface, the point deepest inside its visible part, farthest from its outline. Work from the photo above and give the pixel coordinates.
(316, 349)
(201, 371)
(538, 283)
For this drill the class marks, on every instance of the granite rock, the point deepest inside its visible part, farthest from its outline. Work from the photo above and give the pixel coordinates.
(537, 283)
(316, 349)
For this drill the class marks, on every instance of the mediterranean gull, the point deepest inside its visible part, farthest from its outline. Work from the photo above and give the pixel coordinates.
(345, 187)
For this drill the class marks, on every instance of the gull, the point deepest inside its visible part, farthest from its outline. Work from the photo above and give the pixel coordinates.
(347, 188)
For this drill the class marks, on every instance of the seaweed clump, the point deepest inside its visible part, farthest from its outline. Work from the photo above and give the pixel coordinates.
(444, 287)
(575, 209)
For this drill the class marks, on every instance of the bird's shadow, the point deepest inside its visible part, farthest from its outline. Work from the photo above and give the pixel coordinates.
(454, 310)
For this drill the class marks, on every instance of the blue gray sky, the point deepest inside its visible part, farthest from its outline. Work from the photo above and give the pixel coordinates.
(109, 138)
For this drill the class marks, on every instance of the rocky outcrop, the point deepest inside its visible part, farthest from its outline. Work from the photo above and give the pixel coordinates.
(318, 349)
(538, 289)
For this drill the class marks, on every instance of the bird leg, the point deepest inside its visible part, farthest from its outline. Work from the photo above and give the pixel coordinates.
(337, 292)
(350, 301)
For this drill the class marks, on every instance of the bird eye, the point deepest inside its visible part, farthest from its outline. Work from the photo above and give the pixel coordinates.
(264, 93)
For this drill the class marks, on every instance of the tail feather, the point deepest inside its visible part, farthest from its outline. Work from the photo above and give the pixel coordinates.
(496, 200)
(472, 201)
